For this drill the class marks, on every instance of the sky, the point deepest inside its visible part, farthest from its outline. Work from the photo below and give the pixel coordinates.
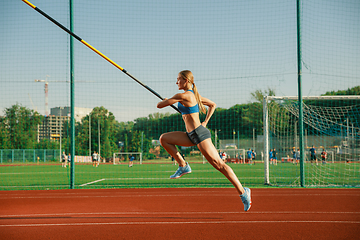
(233, 48)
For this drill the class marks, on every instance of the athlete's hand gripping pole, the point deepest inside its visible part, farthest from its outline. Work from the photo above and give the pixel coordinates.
(95, 50)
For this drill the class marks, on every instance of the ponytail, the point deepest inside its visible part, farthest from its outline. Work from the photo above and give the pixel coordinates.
(197, 96)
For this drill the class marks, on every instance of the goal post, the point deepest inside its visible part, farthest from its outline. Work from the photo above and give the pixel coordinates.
(331, 123)
(124, 157)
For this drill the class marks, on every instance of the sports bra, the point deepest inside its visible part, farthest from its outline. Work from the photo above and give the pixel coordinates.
(188, 110)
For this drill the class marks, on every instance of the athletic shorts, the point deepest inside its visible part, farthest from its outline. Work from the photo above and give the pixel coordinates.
(199, 134)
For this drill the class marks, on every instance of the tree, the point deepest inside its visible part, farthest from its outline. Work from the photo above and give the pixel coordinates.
(21, 124)
(102, 123)
(4, 134)
(47, 144)
(349, 91)
(259, 94)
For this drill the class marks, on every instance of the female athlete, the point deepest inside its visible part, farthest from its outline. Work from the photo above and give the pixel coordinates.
(190, 103)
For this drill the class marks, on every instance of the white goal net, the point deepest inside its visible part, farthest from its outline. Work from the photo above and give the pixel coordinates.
(331, 124)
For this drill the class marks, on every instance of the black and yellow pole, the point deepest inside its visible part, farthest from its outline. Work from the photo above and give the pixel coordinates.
(95, 50)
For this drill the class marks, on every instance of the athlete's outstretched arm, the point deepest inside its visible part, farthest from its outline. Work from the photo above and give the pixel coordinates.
(170, 101)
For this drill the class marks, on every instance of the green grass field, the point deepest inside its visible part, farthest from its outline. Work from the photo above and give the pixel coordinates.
(321, 175)
(53, 176)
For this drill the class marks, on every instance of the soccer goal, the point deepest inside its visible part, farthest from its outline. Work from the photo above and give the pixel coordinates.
(330, 123)
(123, 157)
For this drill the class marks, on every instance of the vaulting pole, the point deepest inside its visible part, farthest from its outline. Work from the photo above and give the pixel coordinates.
(95, 50)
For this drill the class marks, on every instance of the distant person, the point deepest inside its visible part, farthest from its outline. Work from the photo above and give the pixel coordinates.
(271, 156)
(297, 156)
(64, 159)
(249, 156)
(294, 156)
(274, 156)
(253, 156)
(95, 159)
(239, 158)
(223, 156)
(313, 155)
(69, 159)
(323, 156)
(131, 160)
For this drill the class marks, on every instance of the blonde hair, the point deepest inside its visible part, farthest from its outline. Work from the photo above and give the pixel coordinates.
(187, 75)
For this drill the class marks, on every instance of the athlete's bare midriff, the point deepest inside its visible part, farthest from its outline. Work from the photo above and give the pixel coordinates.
(192, 121)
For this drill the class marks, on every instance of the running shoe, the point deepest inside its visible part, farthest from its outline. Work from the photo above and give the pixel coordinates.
(246, 199)
(181, 171)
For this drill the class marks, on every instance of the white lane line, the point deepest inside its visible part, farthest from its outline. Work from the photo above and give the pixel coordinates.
(134, 195)
(170, 223)
(164, 213)
(92, 182)
(119, 195)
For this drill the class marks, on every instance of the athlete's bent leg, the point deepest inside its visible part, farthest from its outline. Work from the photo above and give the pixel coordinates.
(170, 139)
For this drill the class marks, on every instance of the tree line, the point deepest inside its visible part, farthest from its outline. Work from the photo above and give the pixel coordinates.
(19, 129)
(19, 126)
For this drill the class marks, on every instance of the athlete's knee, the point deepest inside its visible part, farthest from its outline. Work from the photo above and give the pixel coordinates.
(164, 139)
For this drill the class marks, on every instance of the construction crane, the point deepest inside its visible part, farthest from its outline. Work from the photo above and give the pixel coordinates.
(46, 88)
(46, 93)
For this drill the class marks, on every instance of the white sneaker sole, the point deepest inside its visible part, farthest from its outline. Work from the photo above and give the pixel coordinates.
(179, 176)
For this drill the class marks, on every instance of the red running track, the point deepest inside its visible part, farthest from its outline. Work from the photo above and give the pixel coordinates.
(180, 213)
